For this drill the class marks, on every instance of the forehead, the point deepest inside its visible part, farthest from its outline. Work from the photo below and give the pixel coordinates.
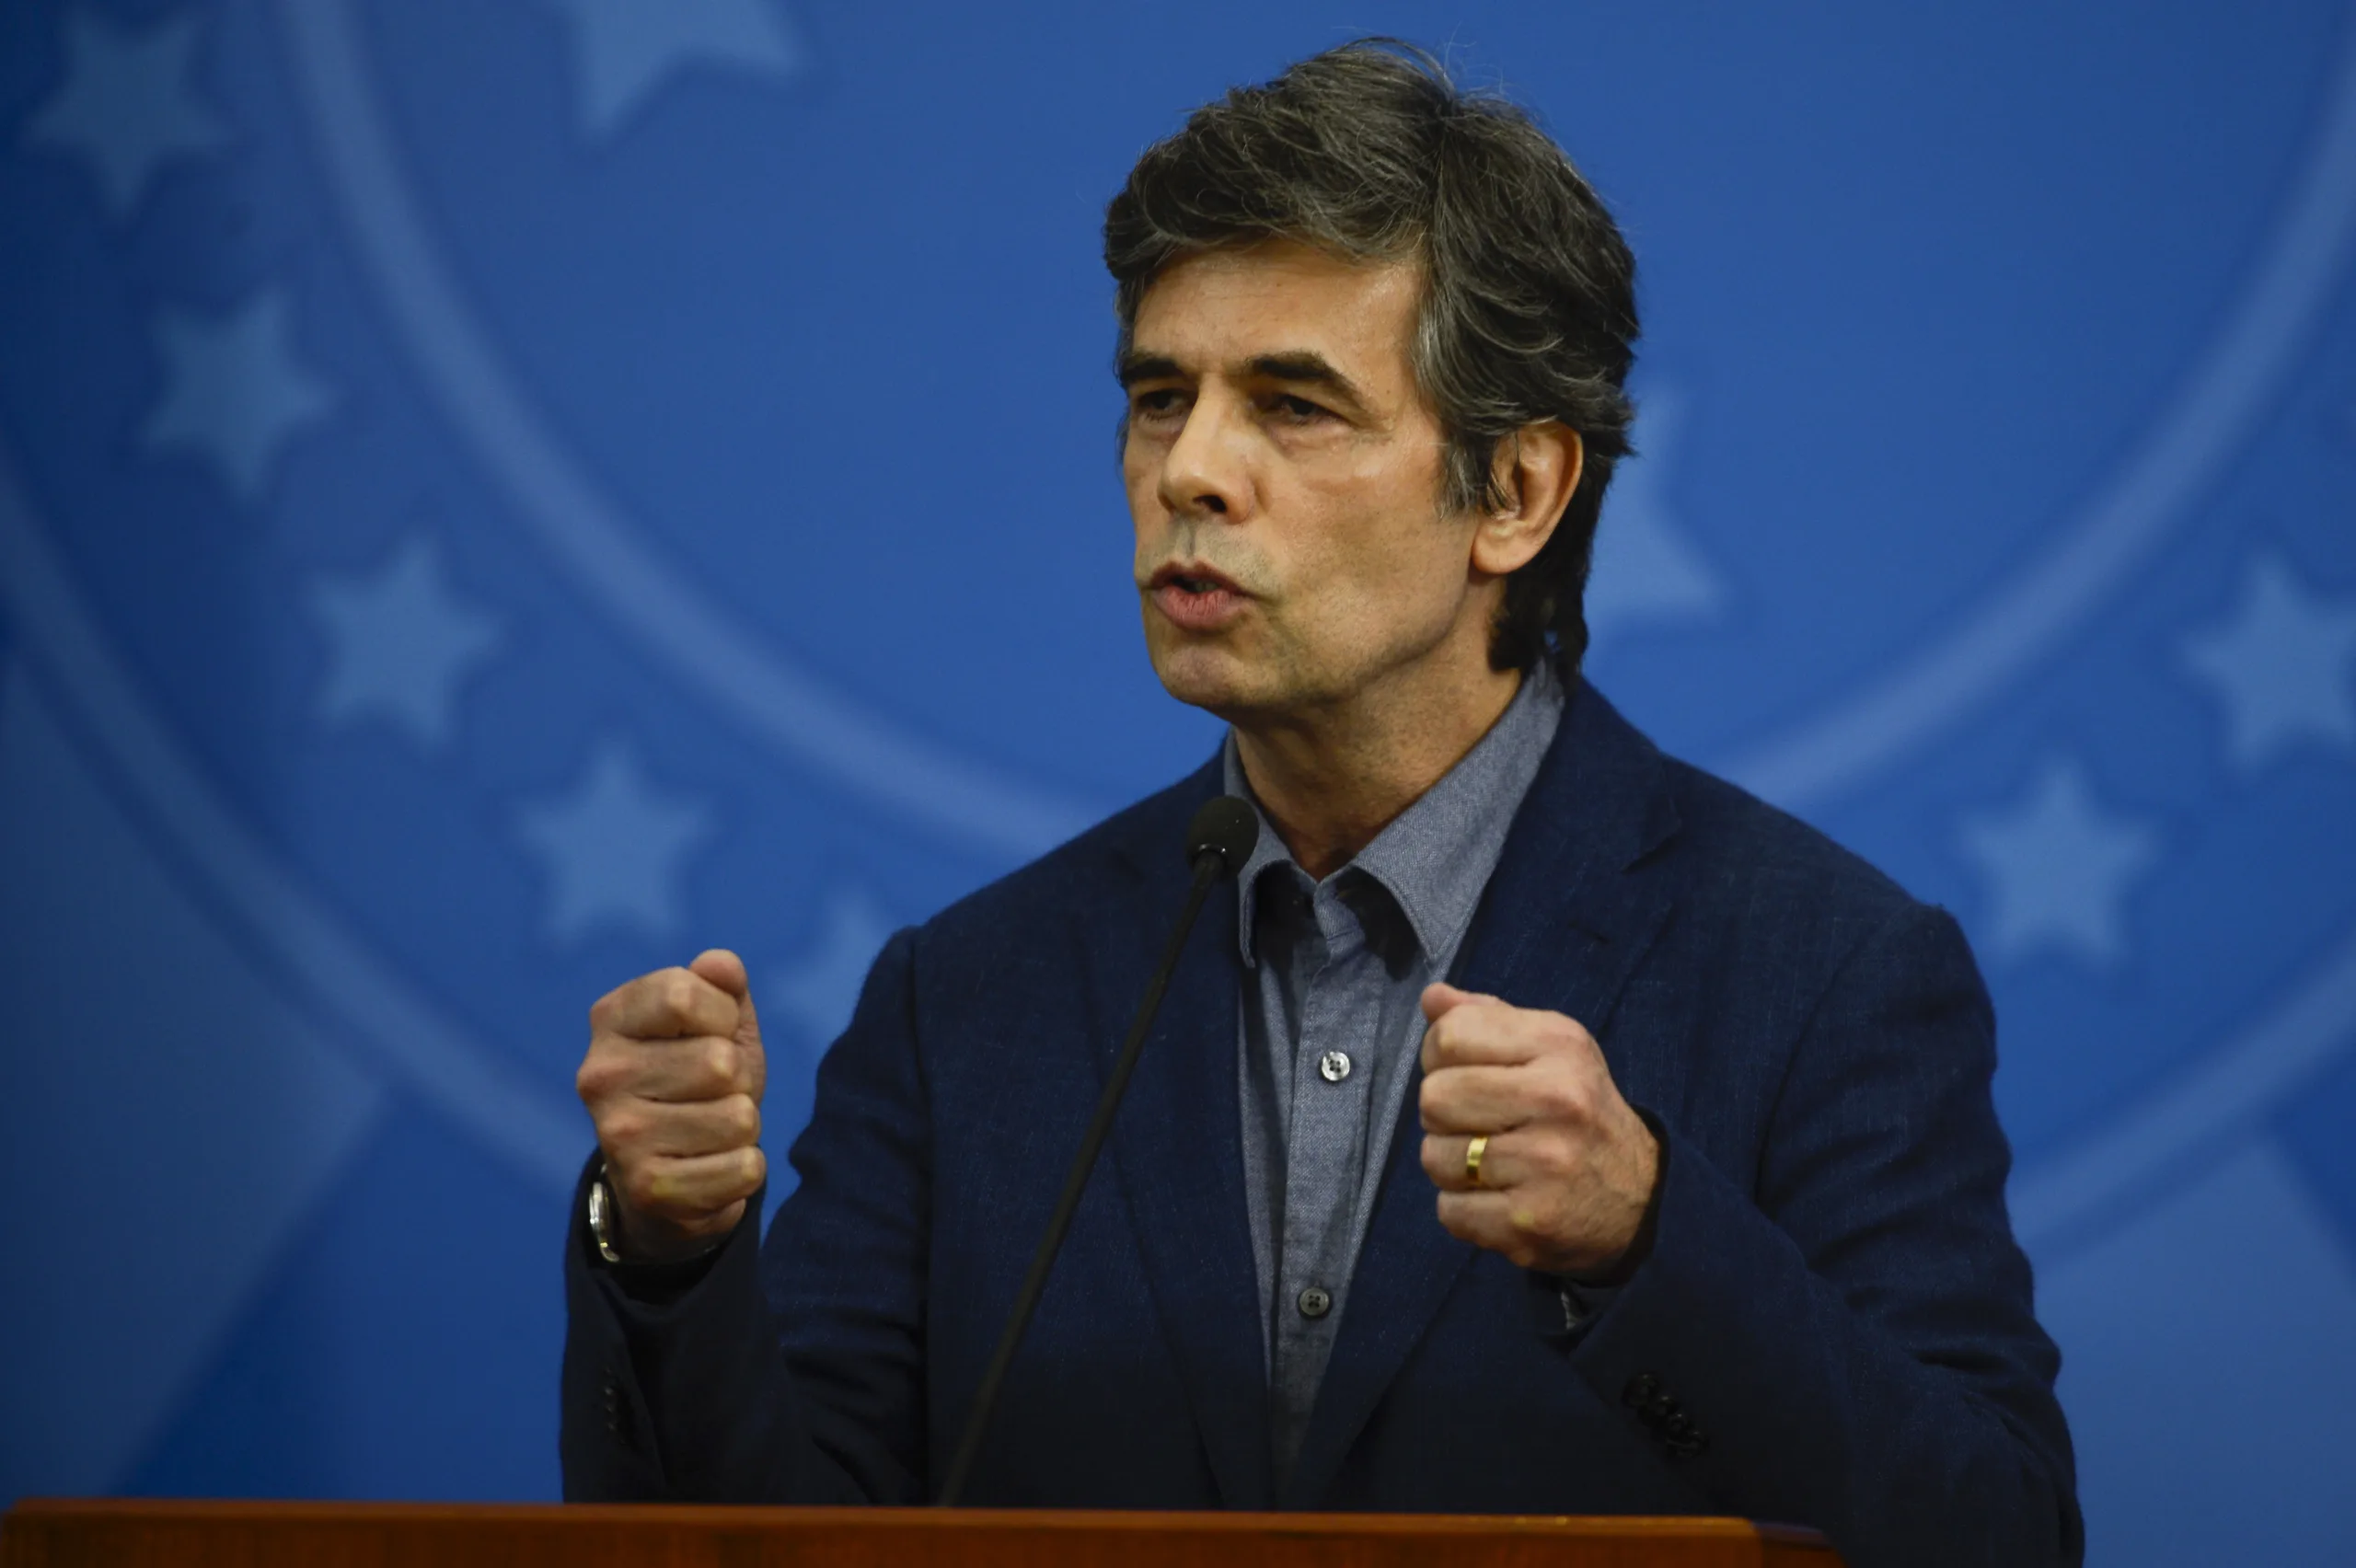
(1226, 307)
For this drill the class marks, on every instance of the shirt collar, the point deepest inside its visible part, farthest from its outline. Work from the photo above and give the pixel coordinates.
(1434, 857)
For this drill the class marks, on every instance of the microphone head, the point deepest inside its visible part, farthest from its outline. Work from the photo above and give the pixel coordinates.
(1228, 827)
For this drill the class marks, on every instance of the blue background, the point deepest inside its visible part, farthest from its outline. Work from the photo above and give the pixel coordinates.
(497, 496)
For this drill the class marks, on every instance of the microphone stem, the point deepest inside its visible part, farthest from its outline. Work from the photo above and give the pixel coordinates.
(1100, 1128)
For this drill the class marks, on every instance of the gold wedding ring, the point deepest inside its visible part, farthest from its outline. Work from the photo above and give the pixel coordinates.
(1472, 1153)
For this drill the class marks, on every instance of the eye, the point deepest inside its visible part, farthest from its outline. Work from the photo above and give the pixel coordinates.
(1155, 403)
(1294, 409)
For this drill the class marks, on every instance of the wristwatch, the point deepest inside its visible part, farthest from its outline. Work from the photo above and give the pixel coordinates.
(601, 1215)
(602, 1230)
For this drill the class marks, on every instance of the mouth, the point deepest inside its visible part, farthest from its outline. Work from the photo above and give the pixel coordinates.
(1190, 578)
(1194, 597)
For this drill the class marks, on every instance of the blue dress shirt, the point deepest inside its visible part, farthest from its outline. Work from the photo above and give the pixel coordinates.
(1332, 1027)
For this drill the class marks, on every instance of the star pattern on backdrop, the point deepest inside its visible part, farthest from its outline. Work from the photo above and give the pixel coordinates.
(820, 987)
(2059, 866)
(126, 106)
(234, 391)
(401, 643)
(624, 52)
(1646, 569)
(2281, 667)
(614, 847)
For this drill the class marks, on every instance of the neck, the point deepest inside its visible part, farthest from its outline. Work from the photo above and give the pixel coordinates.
(1331, 778)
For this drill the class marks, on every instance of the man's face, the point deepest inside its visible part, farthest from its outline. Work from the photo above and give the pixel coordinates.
(1283, 474)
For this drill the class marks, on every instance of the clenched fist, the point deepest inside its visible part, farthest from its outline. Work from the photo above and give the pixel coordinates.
(673, 1080)
(1568, 1170)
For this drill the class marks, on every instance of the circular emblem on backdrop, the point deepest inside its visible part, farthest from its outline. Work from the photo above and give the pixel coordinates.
(569, 483)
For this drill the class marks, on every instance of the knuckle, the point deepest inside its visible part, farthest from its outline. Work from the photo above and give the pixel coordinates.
(672, 1194)
(1588, 1102)
(718, 1063)
(1558, 1085)
(1431, 1101)
(638, 1187)
(1559, 1097)
(604, 1072)
(678, 993)
(743, 1118)
(1541, 1220)
(621, 1129)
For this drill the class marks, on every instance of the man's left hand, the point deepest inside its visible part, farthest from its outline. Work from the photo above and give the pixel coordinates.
(1568, 1171)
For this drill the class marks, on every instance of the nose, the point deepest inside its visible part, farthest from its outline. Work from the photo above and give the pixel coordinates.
(1204, 472)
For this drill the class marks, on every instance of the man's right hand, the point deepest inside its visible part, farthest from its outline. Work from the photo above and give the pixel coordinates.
(673, 1082)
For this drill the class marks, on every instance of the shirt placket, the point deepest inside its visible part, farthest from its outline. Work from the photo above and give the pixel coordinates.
(1324, 1157)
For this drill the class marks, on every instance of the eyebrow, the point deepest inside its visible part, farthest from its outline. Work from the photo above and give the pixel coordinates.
(1300, 366)
(1136, 367)
(1305, 367)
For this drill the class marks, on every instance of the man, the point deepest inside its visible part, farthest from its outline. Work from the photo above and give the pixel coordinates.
(1541, 1127)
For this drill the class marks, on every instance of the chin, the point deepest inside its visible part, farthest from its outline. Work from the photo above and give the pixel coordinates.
(1209, 678)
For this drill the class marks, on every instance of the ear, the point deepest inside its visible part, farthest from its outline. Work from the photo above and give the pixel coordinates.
(1537, 468)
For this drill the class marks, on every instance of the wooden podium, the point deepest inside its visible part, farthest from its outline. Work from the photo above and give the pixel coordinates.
(49, 1533)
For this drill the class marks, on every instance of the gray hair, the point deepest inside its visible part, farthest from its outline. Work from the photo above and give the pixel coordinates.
(1528, 311)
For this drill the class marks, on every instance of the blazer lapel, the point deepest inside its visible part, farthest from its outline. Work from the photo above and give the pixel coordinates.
(1178, 1147)
(1567, 915)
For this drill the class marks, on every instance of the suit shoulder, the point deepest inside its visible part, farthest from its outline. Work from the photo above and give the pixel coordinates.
(1772, 907)
(1737, 844)
(1099, 863)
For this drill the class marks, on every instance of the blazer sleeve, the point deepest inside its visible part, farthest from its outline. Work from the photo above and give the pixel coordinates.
(1843, 1337)
(791, 1373)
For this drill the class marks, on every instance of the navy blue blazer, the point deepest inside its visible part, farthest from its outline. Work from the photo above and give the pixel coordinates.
(1833, 1326)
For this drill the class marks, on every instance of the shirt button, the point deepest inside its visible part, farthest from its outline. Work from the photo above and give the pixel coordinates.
(1333, 1067)
(1315, 1303)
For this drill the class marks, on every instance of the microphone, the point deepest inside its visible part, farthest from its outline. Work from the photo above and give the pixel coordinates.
(1218, 840)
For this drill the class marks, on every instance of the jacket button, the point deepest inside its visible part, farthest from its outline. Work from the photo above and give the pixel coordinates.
(1642, 1391)
(1315, 1303)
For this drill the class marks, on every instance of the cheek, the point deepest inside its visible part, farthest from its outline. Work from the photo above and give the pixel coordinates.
(1339, 609)
(1136, 483)
(1391, 577)
(1149, 524)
